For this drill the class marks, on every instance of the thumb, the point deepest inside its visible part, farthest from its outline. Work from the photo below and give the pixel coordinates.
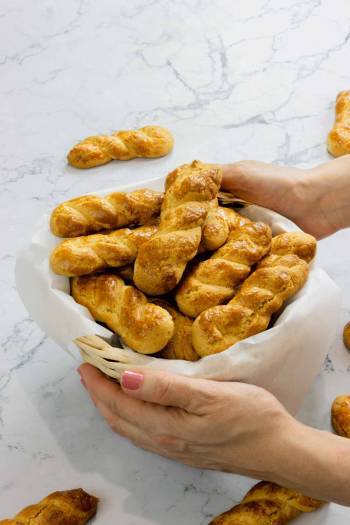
(166, 389)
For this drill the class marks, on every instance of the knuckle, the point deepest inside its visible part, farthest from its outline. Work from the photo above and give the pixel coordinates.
(243, 166)
(112, 405)
(116, 426)
(170, 443)
(141, 444)
(206, 398)
(202, 425)
(163, 388)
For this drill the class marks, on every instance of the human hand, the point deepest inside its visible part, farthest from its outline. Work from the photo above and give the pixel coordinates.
(316, 199)
(233, 427)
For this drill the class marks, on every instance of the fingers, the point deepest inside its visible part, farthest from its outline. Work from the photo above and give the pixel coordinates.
(145, 416)
(146, 433)
(234, 174)
(163, 444)
(111, 396)
(168, 390)
(121, 426)
(156, 403)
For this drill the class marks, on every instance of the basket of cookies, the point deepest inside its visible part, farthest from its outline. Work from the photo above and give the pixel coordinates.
(171, 274)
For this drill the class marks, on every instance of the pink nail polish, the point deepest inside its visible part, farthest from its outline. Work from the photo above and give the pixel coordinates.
(131, 380)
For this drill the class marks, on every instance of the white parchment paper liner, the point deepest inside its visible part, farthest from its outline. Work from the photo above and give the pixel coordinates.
(284, 359)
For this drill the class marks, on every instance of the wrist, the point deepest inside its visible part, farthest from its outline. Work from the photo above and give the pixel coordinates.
(314, 462)
(329, 189)
(285, 190)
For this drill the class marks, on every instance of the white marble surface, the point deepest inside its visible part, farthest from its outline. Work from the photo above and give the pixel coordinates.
(254, 79)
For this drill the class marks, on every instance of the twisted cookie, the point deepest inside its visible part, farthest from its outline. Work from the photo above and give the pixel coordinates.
(216, 228)
(161, 261)
(91, 213)
(268, 504)
(180, 345)
(341, 415)
(59, 508)
(147, 142)
(213, 282)
(277, 278)
(299, 243)
(93, 253)
(338, 142)
(144, 327)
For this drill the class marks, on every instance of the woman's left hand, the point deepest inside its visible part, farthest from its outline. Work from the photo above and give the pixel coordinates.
(233, 427)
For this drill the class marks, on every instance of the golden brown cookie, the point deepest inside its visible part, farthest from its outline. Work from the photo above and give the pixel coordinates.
(268, 504)
(67, 507)
(338, 142)
(147, 142)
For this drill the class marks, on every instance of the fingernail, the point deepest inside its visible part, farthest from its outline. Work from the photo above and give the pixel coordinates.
(78, 370)
(83, 382)
(131, 380)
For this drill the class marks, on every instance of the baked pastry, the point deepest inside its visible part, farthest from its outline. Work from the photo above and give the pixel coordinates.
(214, 281)
(69, 507)
(91, 213)
(180, 345)
(161, 261)
(277, 278)
(341, 415)
(147, 142)
(215, 229)
(268, 504)
(299, 243)
(338, 142)
(144, 327)
(93, 253)
(249, 312)
(346, 335)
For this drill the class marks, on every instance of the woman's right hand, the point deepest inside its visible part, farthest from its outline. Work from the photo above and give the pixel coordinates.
(316, 199)
(228, 426)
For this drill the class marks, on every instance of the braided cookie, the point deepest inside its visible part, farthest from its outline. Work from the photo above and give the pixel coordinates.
(144, 327)
(215, 229)
(338, 142)
(279, 276)
(59, 508)
(161, 261)
(93, 253)
(268, 504)
(341, 415)
(91, 213)
(214, 281)
(180, 345)
(147, 142)
(249, 312)
(299, 243)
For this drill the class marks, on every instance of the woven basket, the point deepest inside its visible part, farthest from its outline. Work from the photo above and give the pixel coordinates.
(289, 353)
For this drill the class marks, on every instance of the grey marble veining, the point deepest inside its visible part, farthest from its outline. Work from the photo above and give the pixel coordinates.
(233, 80)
